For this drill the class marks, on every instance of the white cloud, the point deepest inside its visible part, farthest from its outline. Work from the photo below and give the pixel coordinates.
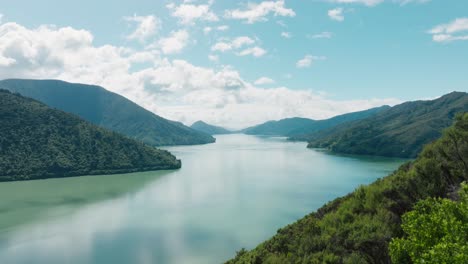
(213, 58)
(308, 60)
(254, 51)
(336, 14)
(258, 12)
(238, 43)
(175, 43)
(324, 34)
(286, 34)
(455, 30)
(147, 26)
(174, 89)
(1, 17)
(365, 2)
(264, 80)
(207, 30)
(376, 2)
(189, 13)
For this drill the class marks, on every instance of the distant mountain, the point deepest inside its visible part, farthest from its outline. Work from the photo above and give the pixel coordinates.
(281, 127)
(39, 142)
(109, 110)
(301, 128)
(306, 132)
(400, 131)
(209, 129)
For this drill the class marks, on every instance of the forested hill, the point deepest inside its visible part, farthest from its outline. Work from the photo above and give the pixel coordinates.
(209, 129)
(109, 110)
(400, 131)
(358, 228)
(38, 142)
(301, 128)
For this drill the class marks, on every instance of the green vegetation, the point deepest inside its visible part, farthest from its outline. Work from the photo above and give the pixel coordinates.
(300, 129)
(38, 142)
(209, 129)
(436, 232)
(108, 110)
(400, 131)
(358, 228)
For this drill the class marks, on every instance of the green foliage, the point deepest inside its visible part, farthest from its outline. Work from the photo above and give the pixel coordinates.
(38, 142)
(209, 129)
(108, 110)
(300, 128)
(400, 131)
(436, 232)
(358, 228)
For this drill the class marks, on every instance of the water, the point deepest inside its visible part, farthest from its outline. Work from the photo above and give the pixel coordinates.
(232, 194)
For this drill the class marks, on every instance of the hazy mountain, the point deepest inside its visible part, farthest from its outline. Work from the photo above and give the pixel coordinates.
(400, 131)
(209, 129)
(281, 127)
(39, 142)
(358, 227)
(109, 110)
(300, 128)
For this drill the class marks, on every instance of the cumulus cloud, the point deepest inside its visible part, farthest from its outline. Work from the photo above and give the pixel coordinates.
(238, 43)
(286, 34)
(264, 80)
(189, 13)
(336, 14)
(308, 60)
(254, 12)
(147, 26)
(175, 89)
(325, 35)
(376, 2)
(175, 43)
(455, 30)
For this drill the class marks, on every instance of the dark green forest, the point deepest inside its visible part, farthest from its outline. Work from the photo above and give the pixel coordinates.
(359, 227)
(108, 110)
(400, 131)
(39, 142)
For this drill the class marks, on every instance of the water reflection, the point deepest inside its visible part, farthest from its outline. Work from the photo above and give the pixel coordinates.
(228, 195)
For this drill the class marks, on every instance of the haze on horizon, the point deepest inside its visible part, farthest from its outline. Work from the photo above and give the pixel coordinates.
(240, 64)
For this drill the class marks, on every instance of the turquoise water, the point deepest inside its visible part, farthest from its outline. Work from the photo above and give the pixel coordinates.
(232, 194)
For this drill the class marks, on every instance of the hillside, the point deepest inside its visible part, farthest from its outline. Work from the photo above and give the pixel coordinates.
(300, 129)
(305, 133)
(109, 110)
(38, 142)
(400, 131)
(209, 129)
(357, 228)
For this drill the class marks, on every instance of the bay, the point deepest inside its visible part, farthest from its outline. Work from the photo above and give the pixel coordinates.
(228, 195)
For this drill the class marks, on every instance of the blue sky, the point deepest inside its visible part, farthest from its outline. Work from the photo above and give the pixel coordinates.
(337, 55)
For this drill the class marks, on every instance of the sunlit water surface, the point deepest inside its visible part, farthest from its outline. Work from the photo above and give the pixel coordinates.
(232, 194)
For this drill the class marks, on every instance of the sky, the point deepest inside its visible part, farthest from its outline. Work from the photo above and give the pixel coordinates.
(240, 63)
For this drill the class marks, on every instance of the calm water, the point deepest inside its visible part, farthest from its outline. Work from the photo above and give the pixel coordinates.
(232, 194)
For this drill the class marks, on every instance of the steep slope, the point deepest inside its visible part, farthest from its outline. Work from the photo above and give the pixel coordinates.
(305, 133)
(400, 131)
(209, 129)
(108, 110)
(357, 228)
(38, 142)
(281, 127)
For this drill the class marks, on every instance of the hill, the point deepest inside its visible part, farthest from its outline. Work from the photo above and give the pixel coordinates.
(108, 110)
(358, 228)
(209, 129)
(38, 142)
(301, 129)
(400, 131)
(306, 132)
